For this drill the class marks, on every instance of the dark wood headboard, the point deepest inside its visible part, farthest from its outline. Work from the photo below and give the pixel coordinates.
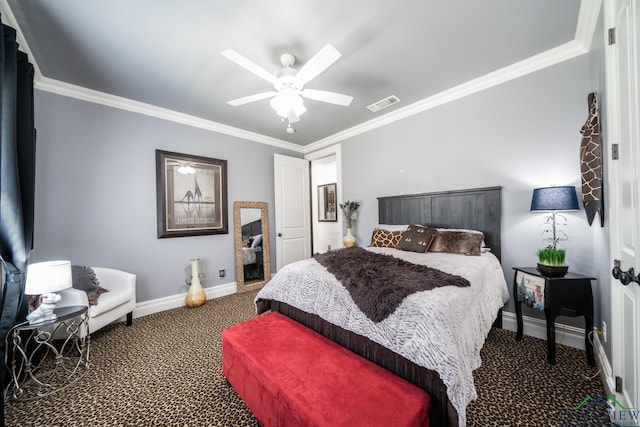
(475, 209)
(252, 229)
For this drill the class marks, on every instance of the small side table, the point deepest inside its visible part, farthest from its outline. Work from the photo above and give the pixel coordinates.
(570, 295)
(41, 364)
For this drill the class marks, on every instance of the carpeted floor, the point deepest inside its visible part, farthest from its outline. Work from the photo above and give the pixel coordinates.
(165, 370)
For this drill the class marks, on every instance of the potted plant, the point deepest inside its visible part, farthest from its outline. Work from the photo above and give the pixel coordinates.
(551, 262)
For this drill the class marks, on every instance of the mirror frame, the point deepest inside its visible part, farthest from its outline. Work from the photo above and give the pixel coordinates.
(327, 206)
(237, 225)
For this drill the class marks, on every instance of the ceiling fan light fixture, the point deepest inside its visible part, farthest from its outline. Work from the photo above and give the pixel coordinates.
(186, 169)
(288, 101)
(289, 83)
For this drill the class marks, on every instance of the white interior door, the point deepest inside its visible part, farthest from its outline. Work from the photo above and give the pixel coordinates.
(623, 129)
(293, 216)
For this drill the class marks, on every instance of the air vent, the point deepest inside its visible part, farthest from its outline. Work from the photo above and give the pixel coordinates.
(384, 103)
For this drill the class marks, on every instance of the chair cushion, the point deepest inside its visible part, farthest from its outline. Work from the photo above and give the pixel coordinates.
(110, 300)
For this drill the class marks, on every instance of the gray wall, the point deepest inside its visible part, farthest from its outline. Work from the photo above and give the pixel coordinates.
(96, 192)
(519, 135)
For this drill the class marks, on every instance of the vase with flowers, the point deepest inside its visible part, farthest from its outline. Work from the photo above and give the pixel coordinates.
(349, 210)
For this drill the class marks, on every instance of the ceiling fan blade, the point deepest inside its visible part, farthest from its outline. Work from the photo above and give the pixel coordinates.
(325, 96)
(320, 62)
(252, 98)
(249, 65)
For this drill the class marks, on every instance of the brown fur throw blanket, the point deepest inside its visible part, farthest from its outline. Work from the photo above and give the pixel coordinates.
(379, 283)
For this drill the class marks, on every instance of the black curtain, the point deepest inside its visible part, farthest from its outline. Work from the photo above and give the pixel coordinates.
(17, 183)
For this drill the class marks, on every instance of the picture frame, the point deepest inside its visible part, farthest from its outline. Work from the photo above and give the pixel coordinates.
(191, 194)
(327, 203)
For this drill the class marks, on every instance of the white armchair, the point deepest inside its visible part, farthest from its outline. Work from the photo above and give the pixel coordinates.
(118, 302)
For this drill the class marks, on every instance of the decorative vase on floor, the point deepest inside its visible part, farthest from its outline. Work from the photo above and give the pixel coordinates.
(195, 295)
(349, 240)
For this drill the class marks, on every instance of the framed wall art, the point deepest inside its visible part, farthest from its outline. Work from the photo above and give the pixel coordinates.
(191, 195)
(327, 203)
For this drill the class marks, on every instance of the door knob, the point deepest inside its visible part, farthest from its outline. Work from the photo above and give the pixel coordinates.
(625, 277)
(616, 269)
(279, 234)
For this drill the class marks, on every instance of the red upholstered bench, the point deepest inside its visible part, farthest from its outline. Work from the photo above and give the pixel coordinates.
(289, 375)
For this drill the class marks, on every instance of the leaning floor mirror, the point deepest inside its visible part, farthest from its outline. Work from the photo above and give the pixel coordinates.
(251, 232)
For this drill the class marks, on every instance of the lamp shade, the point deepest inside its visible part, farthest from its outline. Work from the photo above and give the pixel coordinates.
(554, 199)
(286, 101)
(48, 277)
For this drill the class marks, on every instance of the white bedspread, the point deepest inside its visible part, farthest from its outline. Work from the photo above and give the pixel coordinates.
(441, 329)
(248, 256)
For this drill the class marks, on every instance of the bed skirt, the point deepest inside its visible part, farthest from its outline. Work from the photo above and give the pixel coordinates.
(442, 412)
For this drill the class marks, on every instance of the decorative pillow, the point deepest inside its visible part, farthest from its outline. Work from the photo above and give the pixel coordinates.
(468, 231)
(417, 238)
(257, 241)
(458, 242)
(84, 279)
(385, 239)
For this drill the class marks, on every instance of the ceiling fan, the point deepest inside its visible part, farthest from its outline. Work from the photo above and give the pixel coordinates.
(289, 83)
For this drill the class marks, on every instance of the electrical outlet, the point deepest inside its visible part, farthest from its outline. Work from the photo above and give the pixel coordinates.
(222, 273)
(604, 331)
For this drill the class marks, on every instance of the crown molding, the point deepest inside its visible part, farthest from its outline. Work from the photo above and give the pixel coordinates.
(72, 91)
(587, 21)
(538, 62)
(585, 29)
(9, 18)
(65, 89)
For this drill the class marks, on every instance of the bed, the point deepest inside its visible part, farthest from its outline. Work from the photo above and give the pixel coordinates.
(432, 338)
(252, 255)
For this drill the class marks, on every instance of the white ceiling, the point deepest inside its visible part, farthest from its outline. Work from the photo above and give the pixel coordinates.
(162, 57)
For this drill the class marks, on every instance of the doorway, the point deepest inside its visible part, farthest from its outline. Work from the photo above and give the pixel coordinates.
(326, 216)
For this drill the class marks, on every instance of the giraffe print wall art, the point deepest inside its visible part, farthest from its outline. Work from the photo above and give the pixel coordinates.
(591, 163)
(191, 195)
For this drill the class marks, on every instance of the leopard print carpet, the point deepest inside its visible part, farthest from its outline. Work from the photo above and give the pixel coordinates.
(165, 370)
(517, 387)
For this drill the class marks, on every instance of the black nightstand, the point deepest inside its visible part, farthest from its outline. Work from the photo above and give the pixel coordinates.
(570, 295)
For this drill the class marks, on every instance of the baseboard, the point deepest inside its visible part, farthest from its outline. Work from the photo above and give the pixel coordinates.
(537, 328)
(174, 301)
(606, 372)
(570, 336)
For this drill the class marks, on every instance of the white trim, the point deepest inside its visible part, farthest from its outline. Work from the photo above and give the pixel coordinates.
(606, 372)
(587, 21)
(7, 14)
(537, 328)
(538, 62)
(333, 150)
(90, 95)
(585, 27)
(573, 337)
(174, 301)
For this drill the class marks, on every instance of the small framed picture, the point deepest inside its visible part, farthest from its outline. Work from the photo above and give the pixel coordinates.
(191, 194)
(327, 203)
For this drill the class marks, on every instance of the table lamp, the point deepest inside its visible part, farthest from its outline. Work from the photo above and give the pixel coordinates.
(554, 199)
(47, 278)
